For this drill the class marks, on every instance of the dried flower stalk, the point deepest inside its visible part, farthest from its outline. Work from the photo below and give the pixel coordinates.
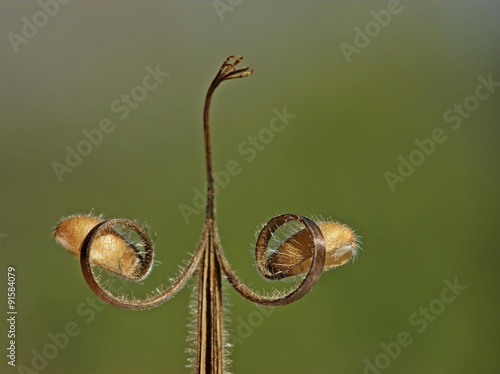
(311, 250)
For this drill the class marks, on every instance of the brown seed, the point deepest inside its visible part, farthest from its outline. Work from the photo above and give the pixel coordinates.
(293, 257)
(109, 250)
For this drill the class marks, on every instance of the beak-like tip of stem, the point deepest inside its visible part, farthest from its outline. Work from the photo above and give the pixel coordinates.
(228, 69)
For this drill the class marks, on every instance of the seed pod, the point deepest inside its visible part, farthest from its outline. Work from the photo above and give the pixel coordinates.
(293, 257)
(109, 250)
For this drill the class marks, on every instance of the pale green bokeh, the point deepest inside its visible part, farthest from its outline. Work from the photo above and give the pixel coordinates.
(353, 121)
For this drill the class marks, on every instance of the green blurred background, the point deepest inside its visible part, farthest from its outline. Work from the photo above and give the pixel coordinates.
(353, 119)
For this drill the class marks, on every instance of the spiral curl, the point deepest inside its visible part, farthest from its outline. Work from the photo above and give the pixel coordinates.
(261, 258)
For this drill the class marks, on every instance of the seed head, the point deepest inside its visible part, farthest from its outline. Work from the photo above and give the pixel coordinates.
(293, 257)
(109, 250)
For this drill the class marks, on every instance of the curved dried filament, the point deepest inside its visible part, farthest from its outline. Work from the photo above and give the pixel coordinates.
(315, 270)
(151, 301)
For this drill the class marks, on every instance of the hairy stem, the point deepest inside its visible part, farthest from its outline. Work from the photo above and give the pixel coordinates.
(210, 329)
(210, 324)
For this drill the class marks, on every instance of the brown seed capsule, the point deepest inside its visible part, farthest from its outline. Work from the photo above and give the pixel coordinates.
(294, 256)
(109, 250)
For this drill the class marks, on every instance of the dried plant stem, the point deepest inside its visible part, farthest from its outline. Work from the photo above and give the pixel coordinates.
(208, 260)
(210, 329)
(210, 316)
